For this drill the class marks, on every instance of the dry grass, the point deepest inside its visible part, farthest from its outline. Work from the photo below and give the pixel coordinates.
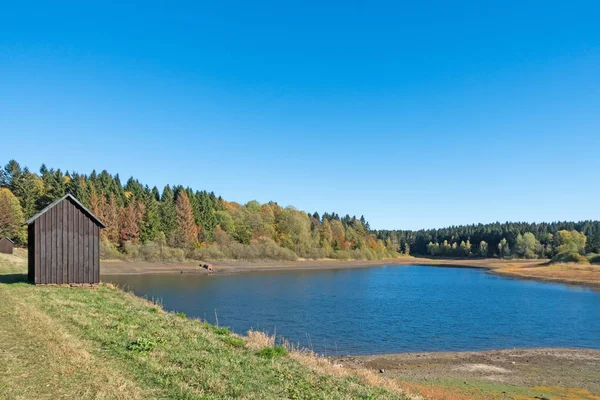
(562, 272)
(259, 340)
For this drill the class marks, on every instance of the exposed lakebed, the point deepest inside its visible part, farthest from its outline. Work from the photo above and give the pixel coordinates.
(387, 309)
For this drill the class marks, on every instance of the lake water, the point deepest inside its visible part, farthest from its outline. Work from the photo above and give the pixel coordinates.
(385, 309)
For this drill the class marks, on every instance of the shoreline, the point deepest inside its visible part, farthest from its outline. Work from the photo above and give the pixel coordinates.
(551, 371)
(537, 270)
(518, 373)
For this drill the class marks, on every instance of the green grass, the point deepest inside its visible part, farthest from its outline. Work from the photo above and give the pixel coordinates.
(273, 352)
(103, 343)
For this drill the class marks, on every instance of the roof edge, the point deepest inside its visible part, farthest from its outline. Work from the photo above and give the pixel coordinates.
(55, 202)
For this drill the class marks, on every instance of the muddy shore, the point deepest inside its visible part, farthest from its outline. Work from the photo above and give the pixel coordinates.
(501, 370)
(573, 274)
(119, 267)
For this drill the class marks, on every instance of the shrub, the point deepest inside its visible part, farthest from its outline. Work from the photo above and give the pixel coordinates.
(150, 252)
(594, 258)
(273, 352)
(341, 255)
(108, 250)
(131, 250)
(268, 249)
(210, 252)
(316, 253)
(571, 257)
(171, 254)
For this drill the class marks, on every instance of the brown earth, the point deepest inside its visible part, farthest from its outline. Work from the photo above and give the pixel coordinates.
(588, 275)
(518, 373)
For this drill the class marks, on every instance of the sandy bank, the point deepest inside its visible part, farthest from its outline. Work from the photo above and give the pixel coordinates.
(588, 275)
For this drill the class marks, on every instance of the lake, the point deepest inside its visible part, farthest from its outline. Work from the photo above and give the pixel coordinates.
(386, 309)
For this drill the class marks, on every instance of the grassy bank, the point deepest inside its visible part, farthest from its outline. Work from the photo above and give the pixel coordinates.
(103, 343)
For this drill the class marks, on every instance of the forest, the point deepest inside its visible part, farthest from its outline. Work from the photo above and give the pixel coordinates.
(178, 223)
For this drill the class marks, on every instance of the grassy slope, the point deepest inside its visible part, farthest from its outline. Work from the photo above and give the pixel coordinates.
(102, 343)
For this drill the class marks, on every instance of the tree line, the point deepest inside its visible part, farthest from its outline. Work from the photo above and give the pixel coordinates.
(510, 239)
(178, 222)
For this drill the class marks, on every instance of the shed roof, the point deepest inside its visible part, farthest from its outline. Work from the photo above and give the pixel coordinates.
(6, 238)
(72, 198)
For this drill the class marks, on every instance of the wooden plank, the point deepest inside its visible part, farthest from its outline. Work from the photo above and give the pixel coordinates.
(71, 241)
(59, 231)
(86, 249)
(38, 237)
(53, 252)
(92, 271)
(65, 242)
(92, 255)
(75, 247)
(81, 247)
(30, 255)
(97, 252)
(43, 244)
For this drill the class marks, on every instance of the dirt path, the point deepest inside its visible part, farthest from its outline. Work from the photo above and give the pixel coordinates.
(519, 373)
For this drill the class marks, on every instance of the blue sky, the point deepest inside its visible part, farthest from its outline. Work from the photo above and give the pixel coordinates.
(417, 115)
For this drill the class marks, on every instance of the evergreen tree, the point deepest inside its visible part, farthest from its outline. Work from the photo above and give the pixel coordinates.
(151, 224)
(168, 215)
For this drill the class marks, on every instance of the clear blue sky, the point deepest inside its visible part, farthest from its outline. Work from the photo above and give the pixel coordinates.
(422, 114)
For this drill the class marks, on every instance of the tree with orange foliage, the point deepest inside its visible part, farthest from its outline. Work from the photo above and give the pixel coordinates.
(129, 229)
(187, 231)
(110, 216)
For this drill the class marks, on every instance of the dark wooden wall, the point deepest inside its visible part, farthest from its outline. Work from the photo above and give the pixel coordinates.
(66, 246)
(6, 246)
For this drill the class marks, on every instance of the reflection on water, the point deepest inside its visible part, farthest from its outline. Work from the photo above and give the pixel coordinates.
(385, 309)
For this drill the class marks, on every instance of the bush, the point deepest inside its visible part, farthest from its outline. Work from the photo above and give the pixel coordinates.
(273, 352)
(270, 250)
(259, 249)
(210, 252)
(571, 257)
(150, 252)
(131, 250)
(316, 253)
(593, 258)
(108, 250)
(171, 254)
(341, 255)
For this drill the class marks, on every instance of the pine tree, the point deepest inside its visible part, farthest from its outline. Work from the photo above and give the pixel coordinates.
(168, 215)
(150, 226)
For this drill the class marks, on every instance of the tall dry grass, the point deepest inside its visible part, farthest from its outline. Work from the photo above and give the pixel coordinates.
(257, 340)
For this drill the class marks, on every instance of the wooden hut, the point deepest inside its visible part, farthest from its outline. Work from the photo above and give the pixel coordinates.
(64, 244)
(6, 245)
